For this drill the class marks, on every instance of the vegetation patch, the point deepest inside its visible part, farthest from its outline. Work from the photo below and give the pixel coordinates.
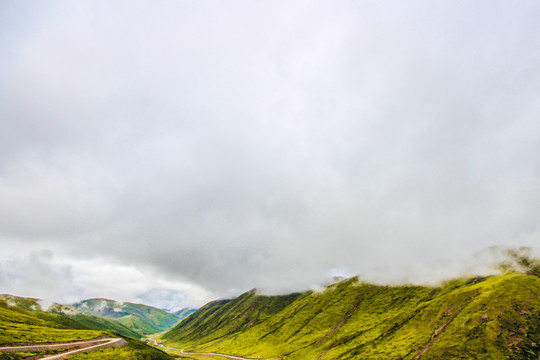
(477, 318)
(135, 350)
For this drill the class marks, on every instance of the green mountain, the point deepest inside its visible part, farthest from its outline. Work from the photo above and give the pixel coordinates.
(185, 312)
(66, 316)
(143, 319)
(479, 318)
(20, 325)
(29, 304)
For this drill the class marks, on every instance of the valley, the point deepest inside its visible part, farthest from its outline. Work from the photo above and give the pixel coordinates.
(269, 180)
(493, 317)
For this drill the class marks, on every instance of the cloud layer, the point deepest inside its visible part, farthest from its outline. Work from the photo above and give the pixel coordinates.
(268, 144)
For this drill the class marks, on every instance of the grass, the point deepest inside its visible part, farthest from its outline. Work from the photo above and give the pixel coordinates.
(21, 326)
(25, 355)
(135, 350)
(477, 318)
(17, 325)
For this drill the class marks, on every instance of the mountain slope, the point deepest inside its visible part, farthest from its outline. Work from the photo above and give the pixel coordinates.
(488, 318)
(64, 316)
(183, 313)
(140, 318)
(20, 326)
(223, 317)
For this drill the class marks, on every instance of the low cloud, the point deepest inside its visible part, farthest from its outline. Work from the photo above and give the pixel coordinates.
(47, 277)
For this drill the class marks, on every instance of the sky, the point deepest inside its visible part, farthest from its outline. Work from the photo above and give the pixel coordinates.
(175, 152)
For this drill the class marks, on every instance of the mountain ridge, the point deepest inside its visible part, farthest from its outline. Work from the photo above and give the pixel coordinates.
(480, 317)
(142, 318)
(35, 327)
(126, 318)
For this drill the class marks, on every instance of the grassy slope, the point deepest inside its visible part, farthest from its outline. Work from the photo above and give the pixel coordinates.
(18, 325)
(70, 319)
(223, 317)
(21, 326)
(83, 321)
(134, 351)
(493, 318)
(140, 318)
(29, 304)
(183, 313)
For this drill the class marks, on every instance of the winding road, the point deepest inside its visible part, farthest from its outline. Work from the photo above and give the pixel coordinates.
(81, 346)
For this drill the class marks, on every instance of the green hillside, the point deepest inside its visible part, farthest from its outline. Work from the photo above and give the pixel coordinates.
(143, 319)
(67, 316)
(479, 318)
(223, 317)
(18, 325)
(24, 303)
(185, 312)
(83, 321)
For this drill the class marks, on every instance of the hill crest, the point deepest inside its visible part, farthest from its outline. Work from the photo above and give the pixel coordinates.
(468, 318)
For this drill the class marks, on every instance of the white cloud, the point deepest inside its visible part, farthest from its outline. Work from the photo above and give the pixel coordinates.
(220, 148)
(35, 275)
(125, 283)
(65, 280)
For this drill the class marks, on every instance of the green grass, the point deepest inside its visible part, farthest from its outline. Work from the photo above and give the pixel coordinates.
(135, 350)
(25, 355)
(478, 318)
(18, 325)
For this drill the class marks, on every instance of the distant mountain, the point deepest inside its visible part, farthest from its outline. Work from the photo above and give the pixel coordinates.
(143, 319)
(495, 317)
(183, 313)
(60, 316)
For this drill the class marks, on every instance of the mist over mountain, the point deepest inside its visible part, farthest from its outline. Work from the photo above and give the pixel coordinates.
(475, 318)
(141, 318)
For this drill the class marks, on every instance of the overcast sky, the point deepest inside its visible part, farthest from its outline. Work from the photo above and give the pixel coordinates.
(181, 151)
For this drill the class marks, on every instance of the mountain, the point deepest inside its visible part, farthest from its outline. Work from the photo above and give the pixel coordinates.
(478, 318)
(143, 319)
(185, 312)
(29, 304)
(65, 315)
(21, 326)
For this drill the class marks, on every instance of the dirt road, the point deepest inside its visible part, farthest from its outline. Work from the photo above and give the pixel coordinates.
(81, 346)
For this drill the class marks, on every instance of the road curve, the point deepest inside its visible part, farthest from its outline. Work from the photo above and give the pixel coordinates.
(101, 343)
